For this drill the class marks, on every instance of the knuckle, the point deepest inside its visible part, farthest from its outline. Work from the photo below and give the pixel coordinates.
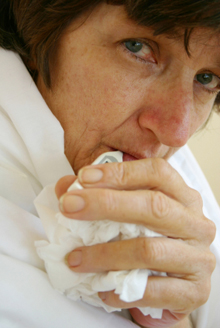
(120, 174)
(210, 262)
(190, 301)
(199, 291)
(207, 231)
(161, 168)
(197, 296)
(143, 250)
(203, 292)
(108, 200)
(211, 230)
(196, 198)
(150, 251)
(159, 205)
(206, 264)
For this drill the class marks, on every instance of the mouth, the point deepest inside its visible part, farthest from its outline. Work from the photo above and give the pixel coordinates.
(127, 156)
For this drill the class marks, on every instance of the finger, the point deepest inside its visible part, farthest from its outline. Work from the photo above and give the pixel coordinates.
(156, 254)
(63, 184)
(152, 173)
(168, 319)
(176, 295)
(152, 209)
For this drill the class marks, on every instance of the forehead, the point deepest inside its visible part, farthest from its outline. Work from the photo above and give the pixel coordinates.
(112, 18)
(205, 37)
(205, 43)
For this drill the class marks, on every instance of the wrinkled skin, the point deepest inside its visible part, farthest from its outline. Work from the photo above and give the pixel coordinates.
(141, 192)
(145, 104)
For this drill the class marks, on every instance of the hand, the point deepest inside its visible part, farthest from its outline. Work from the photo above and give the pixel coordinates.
(152, 193)
(184, 323)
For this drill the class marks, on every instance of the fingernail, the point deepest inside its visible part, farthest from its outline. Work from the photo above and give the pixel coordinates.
(75, 258)
(102, 295)
(90, 175)
(71, 203)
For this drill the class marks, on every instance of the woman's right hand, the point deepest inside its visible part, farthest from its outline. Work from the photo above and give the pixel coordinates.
(148, 192)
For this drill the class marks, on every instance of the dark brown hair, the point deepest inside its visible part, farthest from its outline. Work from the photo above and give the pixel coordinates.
(33, 27)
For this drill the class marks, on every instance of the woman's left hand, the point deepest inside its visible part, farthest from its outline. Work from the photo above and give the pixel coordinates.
(148, 192)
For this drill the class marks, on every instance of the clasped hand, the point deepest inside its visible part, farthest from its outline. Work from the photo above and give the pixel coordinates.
(148, 192)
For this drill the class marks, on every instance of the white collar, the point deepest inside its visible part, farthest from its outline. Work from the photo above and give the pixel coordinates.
(40, 131)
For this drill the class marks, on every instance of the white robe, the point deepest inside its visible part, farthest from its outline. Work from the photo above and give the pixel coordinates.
(31, 157)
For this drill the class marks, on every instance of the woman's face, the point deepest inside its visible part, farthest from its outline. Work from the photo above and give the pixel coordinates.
(115, 86)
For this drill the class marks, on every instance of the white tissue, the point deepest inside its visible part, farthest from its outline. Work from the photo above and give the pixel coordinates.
(65, 235)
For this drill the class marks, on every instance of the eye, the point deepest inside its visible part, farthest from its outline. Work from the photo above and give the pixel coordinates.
(209, 80)
(134, 46)
(140, 50)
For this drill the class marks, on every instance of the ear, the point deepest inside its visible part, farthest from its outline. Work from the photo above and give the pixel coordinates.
(32, 67)
(30, 63)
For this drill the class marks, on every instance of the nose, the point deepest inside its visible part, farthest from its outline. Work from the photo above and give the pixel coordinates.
(167, 112)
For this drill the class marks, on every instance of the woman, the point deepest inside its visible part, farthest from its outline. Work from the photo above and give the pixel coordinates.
(124, 75)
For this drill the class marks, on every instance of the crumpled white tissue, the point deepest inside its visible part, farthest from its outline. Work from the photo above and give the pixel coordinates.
(64, 235)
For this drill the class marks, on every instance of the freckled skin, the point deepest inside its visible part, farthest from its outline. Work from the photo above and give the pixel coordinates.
(106, 99)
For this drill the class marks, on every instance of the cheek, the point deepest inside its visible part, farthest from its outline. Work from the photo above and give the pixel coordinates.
(98, 94)
(203, 104)
(200, 116)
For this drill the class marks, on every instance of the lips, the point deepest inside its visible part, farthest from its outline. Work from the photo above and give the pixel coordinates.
(127, 157)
